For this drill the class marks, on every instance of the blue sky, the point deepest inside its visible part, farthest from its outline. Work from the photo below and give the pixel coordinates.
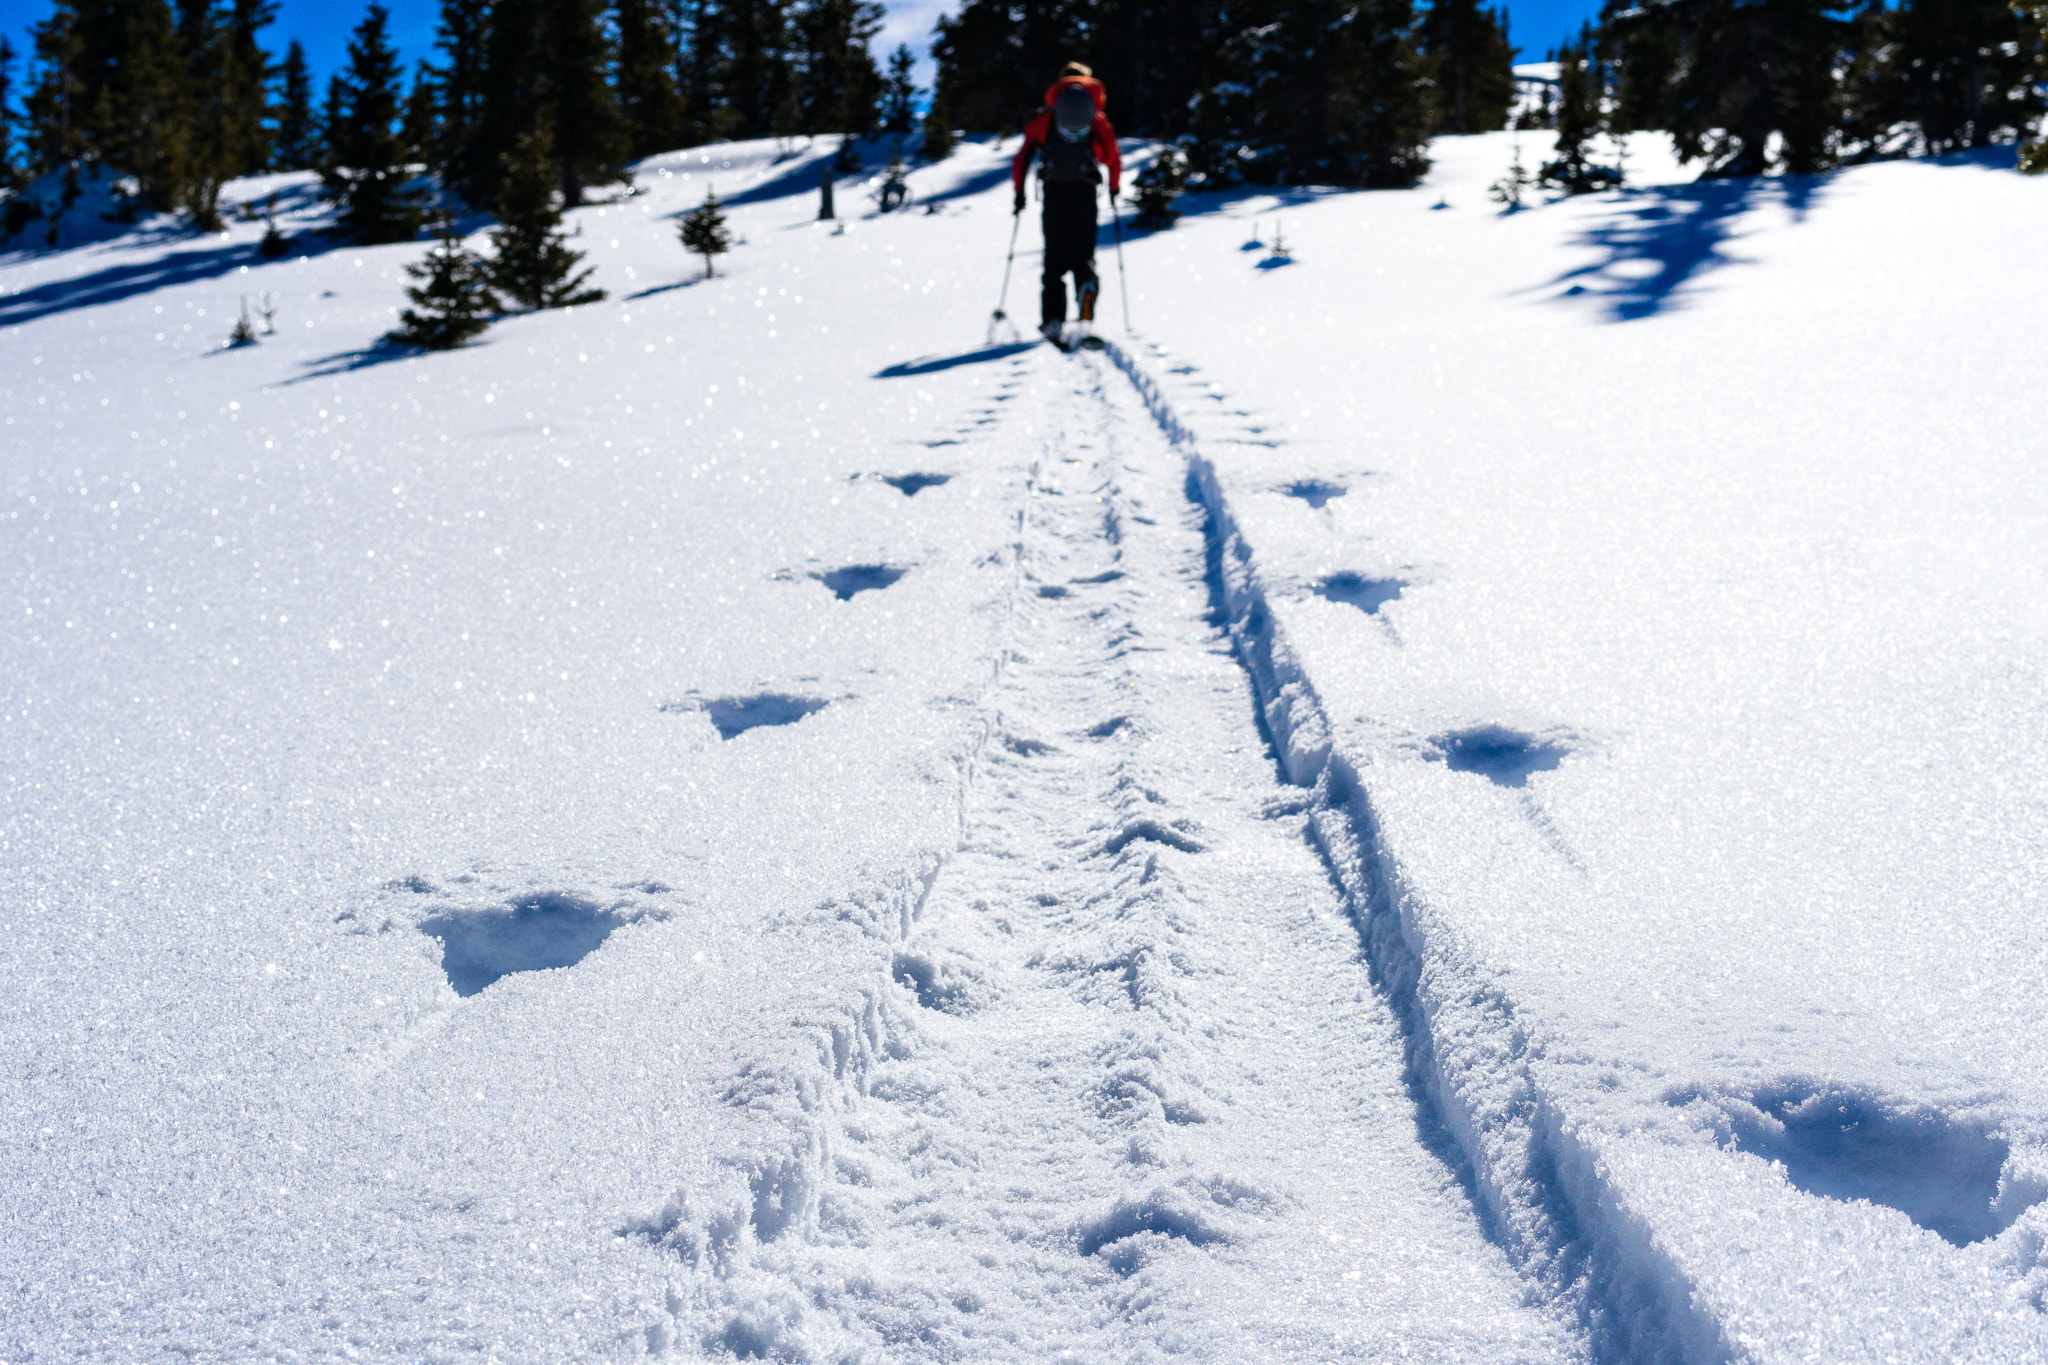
(323, 26)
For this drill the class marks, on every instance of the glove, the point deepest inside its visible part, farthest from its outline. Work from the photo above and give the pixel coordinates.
(1018, 207)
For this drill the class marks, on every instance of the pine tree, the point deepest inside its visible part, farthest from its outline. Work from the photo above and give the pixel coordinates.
(1158, 185)
(532, 263)
(111, 91)
(837, 83)
(703, 231)
(1322, 92)
(419, 128)
(465, 157)
(647, 90)
(899, 92)
(547, 61)
(938, 133)
(452, 300)
(1471, 64)
(1955, 71)
(10, 172)
(590, 146)
(333, 112)
(753, 72)
(367, 171)
(1754, 80)
(295, 144)
(245, 69)
(1580, 88)
(702, 109)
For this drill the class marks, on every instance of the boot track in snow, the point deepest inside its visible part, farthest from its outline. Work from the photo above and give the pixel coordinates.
(1131, 1091)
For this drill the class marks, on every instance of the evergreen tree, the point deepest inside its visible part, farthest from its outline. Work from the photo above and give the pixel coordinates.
(703, 231)
(995, 59)
(1322, 92)
(588, 135)
(1748, 72)
(703, 111)
(206, 154)
(1580, 87)
(367, 172)
(548, 61)
(111, 90)
(1957, 72)
(10, 172)
(753, 68)
(245, 69)
(1641, 58)
(452, 300)
(938, 133)
(464, 156)
(332, 112)
(295, 142)
(1470, 63)
(899, 92)
(837, 85)
(419, 127)
(1158, 185)
(647, 55)
(532, 263)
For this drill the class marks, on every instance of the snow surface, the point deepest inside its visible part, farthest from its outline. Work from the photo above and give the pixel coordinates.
(1469, 793)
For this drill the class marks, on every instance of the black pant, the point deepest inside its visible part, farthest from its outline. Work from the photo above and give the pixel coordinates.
(1069, 224)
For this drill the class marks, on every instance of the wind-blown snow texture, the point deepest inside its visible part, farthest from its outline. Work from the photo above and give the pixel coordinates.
(1470, 794)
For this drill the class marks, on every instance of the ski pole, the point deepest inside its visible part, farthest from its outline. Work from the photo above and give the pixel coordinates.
(1016, 221)
(1123, 285)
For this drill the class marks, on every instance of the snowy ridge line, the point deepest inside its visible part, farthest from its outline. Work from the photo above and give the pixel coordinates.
(1543, 1193)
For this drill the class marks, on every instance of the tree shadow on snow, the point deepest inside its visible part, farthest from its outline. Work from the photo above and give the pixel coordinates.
(379, 352)
(117, 282)
(1662, 238)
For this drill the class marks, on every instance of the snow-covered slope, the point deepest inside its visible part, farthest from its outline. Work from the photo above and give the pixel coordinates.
(1470, 793)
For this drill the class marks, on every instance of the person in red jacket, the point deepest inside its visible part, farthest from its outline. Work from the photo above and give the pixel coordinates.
(1074, 144)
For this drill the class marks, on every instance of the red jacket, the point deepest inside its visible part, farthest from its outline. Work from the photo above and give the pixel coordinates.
(1102, 136)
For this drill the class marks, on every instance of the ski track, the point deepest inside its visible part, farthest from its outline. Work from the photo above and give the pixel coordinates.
(1130, 1090)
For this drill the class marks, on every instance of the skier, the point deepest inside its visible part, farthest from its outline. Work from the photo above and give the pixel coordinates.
(1074, 142)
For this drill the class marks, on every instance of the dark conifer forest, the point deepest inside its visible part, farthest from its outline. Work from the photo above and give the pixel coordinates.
(178, 96)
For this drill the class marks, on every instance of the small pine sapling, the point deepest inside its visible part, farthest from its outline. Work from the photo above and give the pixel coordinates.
(846, 161)
(704, 233)
(274, 243)
(244, 333)
(266, 308)
(452, 300)
(1509, 189)
(532, 263)
(1157, 186)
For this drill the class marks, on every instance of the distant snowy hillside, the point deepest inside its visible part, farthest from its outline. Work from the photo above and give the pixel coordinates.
(1470, 791)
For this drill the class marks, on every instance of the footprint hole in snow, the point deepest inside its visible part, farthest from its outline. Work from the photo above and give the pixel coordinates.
(1504, 757)
(910, 485)
(1367, 594)
(1315, 492)
(530, 933)
(859, 578)
(734, 716)
(1949, 1175)
(1163, 1213)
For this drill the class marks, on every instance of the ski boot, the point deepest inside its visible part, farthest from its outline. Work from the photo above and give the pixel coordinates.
(1088, 293)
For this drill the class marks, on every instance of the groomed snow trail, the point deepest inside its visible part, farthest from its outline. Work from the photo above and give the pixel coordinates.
(1139, 1097)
